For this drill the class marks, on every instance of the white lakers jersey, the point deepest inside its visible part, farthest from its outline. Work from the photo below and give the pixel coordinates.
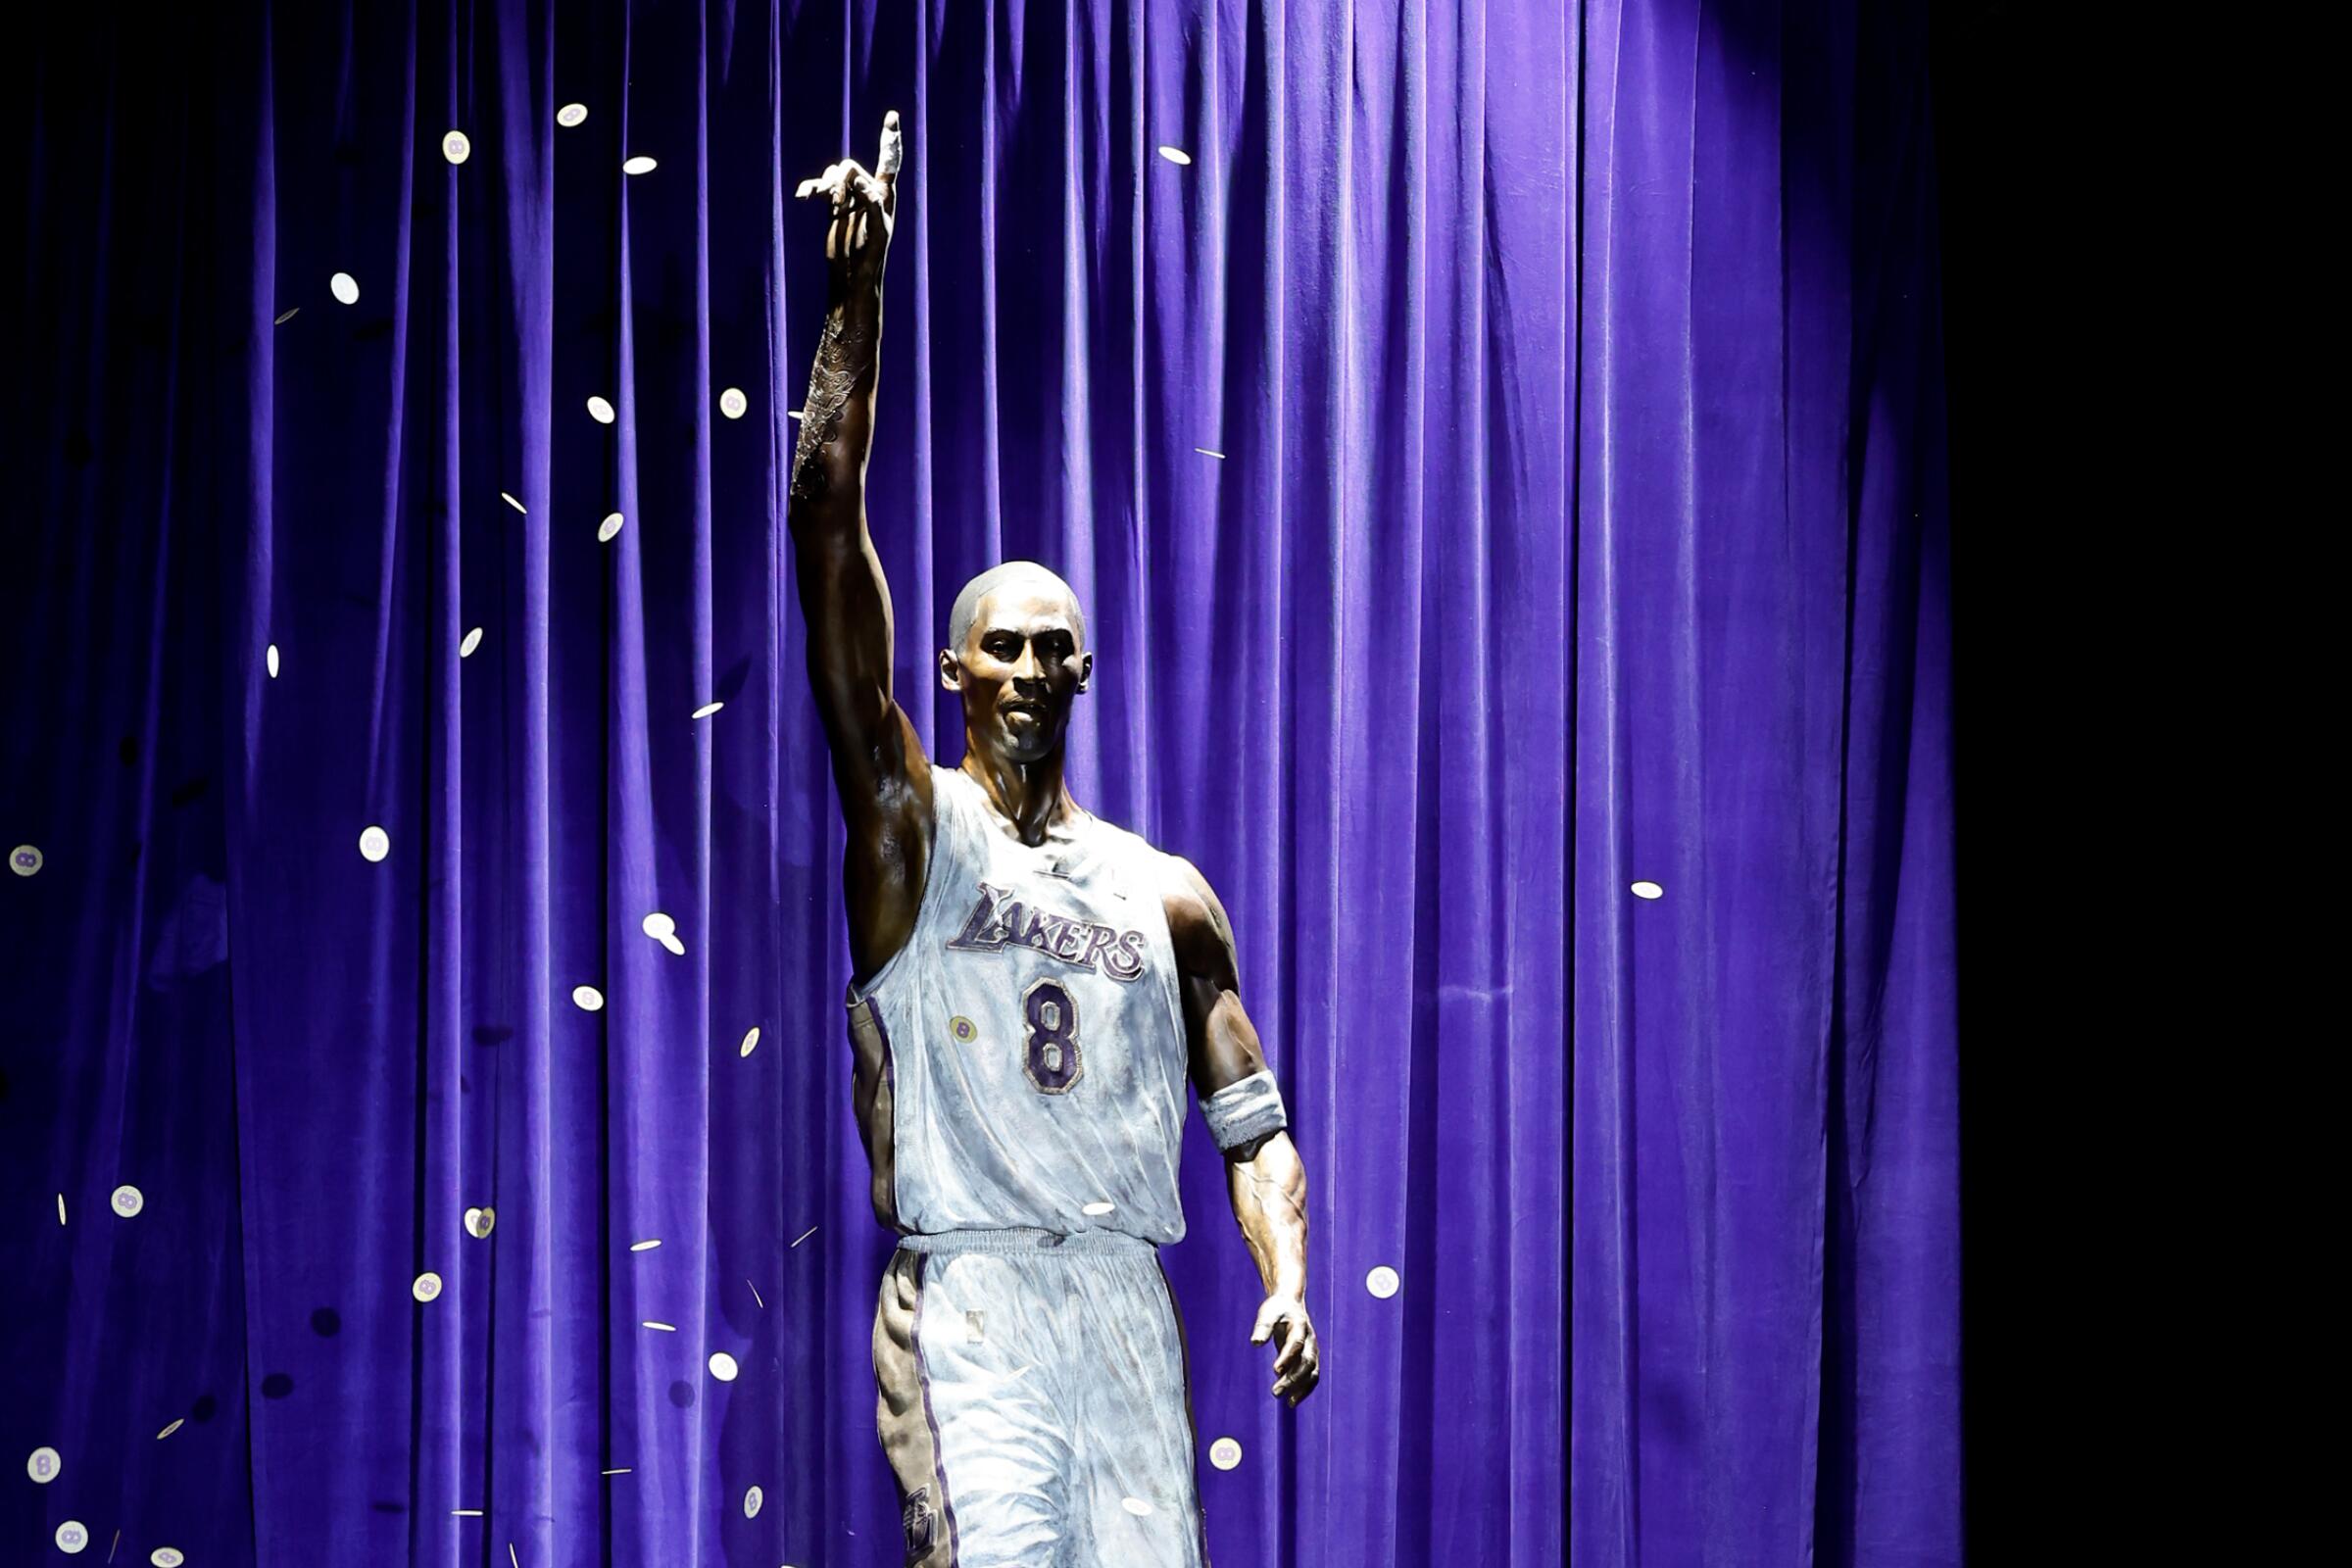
(1021, 1061)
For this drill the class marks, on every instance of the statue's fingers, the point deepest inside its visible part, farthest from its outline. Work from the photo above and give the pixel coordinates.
(872, 189)
(893, 151)
(1293, 1353)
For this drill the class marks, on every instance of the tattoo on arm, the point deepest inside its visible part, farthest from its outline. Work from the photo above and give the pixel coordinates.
(845, 353)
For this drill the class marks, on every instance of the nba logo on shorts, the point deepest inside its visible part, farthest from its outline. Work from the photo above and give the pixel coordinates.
(917, 1521)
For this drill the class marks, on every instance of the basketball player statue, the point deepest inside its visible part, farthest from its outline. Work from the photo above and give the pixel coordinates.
(1032, 987)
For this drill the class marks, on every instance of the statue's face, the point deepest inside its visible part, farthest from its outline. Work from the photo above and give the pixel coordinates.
(1019, 670)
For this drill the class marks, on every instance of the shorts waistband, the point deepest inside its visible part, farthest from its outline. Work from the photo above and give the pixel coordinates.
(1024, 1239)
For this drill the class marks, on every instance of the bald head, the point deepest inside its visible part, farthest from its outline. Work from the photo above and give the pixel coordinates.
(1025, 573)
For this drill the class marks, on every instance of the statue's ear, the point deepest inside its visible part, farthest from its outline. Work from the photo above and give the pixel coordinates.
(1085, 669)
(951, 672)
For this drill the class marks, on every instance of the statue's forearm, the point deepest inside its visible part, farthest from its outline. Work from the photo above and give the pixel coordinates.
(1269, 1201)
(837, 418)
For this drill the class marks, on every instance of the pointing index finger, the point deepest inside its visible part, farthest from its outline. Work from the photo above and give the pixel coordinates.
(894, 150)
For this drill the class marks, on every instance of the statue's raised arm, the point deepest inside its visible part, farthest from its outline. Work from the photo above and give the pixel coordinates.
(879, 769)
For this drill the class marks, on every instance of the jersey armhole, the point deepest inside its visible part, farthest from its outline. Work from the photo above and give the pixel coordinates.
(944, 812)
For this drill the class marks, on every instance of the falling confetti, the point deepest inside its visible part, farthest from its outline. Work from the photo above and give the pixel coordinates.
(666, 1328)
(751, 1501)
(465, 1513)
(675, 946)
(473, 640)
(732, 403)
(1381, 1282)
(1176, 155)
(511, 502)
(1206, 453)
(600, 411)
(456, 148)
(270, 658)
(645, 1246)
(1225, 1453)
(1647, 890)
(25, 860)
(587, 998)
(658, 925)
(723, 1367)
(1098, 1209)
(623, 1471)
(61, 1209)
(344, 287)
(73, 1537)
(166, 1557)
(571, 114)
(480, 1222)
(708, 709)
(1136, 1507)
(427, 1287)
(43, 1465)
(792, 414)
(285, 315)
(803, 1236)
(168, 1430)
(605, 529)
(639, 165)
(129, 1200)
(374, 844)
(749, 1041)
(755, 1296)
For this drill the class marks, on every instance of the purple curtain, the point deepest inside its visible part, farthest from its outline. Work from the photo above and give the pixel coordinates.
(1504, 467)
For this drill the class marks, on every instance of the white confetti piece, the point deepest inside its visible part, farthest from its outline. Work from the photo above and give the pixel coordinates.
(25, 860)
(510, 1557)
(803, 1236)
(587, 998)
(752, 1503)
(285, 315)
(749, 1041)
(374, 844)
(732, 403)
(473, 640)
(73, 1538)
(571, 114)
(270, 658)
(1098, 1207)
(1647, 890)
(601, 411)
(624, 1470)
(675, 946)
(658, 925)
(639, 165)
(723, 1367)
(464, 1513)
(61, 1209)
(427, 1287)
(344, 287)
(166, 1557)
(755, 1296)
(708, 709)
(644, 1245)
(1176, 155)
(664, 1327)
(1206, 453)
(511, 502)
(1136, 1507)
(605, 529)
(173, 1427)
(793, 413)
(480, 1222)
(1381, 1282)
(1225, 1453)
(129, 1200)
(43, 1465)
(456, 147)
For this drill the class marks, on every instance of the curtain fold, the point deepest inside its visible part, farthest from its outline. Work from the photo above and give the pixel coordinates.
(1499, 448)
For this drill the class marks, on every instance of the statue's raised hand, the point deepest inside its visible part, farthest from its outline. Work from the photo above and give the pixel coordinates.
(864, 208)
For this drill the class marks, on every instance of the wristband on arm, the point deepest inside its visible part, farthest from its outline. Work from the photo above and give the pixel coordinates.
(1244, 1113)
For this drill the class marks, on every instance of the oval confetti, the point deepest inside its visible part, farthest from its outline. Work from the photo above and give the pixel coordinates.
(750, 1040)
(751, 1501)
(427, 1287)
(723, 1367)
(605, 529)
(1136, 1507)
(344, 287)
(165, 1557)
(73, 1538)
(1098, 1209)
(1176, 155)
(658, 925)
(587, 998)
(639, 165)
(600, 411)
(482, 1221)
(708, 709)
(473, 640)
(732, 403)
(1381, 1282)
(664, 1327)
(168, 1430)
(1225, 1453)
(672, 943)
(43, 1466)
(270, 658)
(1647, 890)
(456, 148)
(511, 502)
(375, 844)
(571, 114)
(644, 1246)
(25, 860)
(129, 1200)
